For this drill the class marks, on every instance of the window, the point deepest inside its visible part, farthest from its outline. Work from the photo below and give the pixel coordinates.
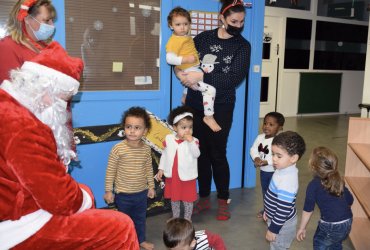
(118, 41)
(264, 96)
(350, 9)
(340, 46)
(297, 43)
(6, 7)
(291, 4)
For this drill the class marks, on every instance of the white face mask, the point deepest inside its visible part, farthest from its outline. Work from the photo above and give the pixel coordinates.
(45, 31)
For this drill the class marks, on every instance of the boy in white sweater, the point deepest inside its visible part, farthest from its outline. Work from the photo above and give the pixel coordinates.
(261, 149)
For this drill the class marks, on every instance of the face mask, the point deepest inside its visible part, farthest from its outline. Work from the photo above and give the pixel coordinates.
(45, 31)
(234, 31)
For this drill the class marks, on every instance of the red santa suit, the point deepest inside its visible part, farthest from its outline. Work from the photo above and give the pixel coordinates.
(41, 205)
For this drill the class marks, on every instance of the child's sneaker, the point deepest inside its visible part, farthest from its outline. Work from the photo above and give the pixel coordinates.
(260, 214)
(203, 204)
(223, 212)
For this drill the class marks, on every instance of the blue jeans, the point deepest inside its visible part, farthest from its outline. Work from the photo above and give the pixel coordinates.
(265, 178)
(134, 205)
(330, 235)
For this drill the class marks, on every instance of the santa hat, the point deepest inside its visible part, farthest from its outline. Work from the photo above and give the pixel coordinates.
(55, 63)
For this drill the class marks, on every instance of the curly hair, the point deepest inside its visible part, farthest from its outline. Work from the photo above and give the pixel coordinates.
(178, 111)
(291, 141)
(278, 117)
(177, 11)
(324, 164)
(137, 112)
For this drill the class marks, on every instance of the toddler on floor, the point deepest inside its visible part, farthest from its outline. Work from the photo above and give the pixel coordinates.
(179, 234)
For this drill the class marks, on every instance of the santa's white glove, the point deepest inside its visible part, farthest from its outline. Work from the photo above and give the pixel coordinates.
(86, 202)
(173, 59)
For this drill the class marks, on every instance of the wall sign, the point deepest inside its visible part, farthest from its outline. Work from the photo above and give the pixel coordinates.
(201, 21)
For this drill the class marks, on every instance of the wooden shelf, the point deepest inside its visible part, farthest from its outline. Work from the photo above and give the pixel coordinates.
(357, 177)
(362, 150)
(360, 187)
(360, 234)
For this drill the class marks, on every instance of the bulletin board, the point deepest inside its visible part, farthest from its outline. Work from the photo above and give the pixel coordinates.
(201, 21)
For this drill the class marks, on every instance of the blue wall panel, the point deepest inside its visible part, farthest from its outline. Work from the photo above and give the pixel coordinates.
(106, 107)
(255, 18)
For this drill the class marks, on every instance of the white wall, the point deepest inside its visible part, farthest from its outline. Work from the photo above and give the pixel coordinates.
(288, 91)
(366, 88)
(351, 92)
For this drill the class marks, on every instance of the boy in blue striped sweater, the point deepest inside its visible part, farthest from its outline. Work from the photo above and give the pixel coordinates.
(279, 200)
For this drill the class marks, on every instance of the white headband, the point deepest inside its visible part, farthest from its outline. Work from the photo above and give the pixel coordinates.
(181, 116)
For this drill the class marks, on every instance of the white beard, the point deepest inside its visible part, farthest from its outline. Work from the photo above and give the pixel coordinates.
(40, 96)
(57, 117)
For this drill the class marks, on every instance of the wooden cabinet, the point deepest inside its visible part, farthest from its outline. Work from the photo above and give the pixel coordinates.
(357, 176)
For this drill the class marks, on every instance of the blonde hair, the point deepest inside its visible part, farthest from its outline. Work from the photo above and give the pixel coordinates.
(14, 26)
(324, 163)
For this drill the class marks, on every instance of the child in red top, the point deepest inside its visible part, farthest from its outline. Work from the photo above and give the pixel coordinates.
(180, 234)
(179, 162)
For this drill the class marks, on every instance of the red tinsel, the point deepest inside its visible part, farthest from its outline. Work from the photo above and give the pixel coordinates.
(23, 11)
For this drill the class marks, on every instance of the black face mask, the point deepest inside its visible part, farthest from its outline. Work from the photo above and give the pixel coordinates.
(234, 31)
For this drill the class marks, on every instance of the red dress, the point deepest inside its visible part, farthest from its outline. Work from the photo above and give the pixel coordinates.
(178, 190)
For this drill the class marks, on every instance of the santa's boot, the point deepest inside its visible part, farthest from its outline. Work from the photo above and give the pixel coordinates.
(202, 205)
(223, 212)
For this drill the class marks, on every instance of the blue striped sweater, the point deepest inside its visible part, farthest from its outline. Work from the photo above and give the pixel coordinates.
(280, 198)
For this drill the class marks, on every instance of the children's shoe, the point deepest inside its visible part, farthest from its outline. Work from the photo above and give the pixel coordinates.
(202, 205)
(260, 214)
(223, 212)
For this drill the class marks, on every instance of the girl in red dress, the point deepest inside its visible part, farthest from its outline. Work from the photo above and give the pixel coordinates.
(179, 162)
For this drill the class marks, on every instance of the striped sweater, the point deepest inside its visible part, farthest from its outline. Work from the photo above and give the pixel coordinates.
(129, 169)
(280, 198)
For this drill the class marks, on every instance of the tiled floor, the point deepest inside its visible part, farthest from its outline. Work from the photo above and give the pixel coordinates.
(244, 230)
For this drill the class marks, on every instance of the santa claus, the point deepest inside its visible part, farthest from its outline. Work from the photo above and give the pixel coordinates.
(41, 205)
